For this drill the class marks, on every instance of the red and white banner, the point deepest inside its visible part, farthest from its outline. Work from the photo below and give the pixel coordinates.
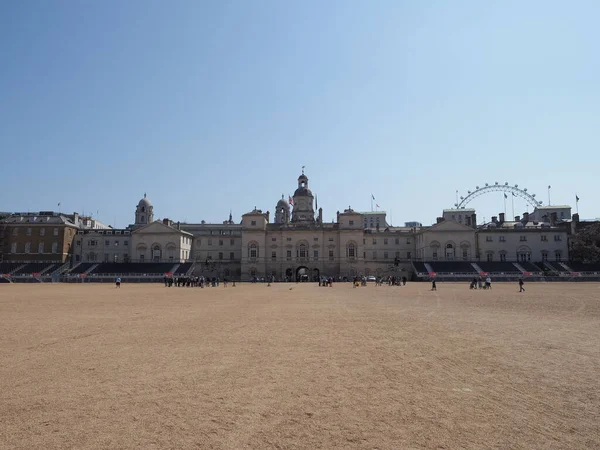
(433, 274)
(483, 274)
(526, 273)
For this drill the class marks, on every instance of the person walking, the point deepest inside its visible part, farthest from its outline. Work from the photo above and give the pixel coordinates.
(433, 286)
(521, 283)
(118, 282)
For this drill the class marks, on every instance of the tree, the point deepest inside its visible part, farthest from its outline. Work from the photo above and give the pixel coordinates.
(585, 244)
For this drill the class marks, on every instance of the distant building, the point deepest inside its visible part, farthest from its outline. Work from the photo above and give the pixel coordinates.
(374, 219)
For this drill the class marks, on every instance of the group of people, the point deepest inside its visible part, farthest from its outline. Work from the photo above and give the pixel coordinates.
(478, 283)
(192, 281)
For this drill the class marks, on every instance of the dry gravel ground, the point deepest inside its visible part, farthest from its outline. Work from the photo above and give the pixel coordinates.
(93, 367)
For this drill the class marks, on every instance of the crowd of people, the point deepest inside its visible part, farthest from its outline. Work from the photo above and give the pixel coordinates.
(192, 281)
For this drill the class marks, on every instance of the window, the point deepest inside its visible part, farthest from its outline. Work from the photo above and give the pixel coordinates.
(316, 253)
(364, 241)
(385, 241)
(489, 239)
(220, 256)
(78, 243)
(55, 247)
(231, 255)
(522, 238)
(273, 255)
(490, 257)
(397, 241)
(330, 239)
(503, 257)
(351, 222)
(116, 243)
(41, 247)
(351, 250)
(15, 231)
(408, 255)
(126, 243)
(289, 254)
(232, 242)
(544, 238)
(253, 251)
(374, 255)
(558, 255)
(13, 247)
(302, 251)
(385, 255)
(253, 223)
(252, 272)
(28, 232)
(502, 239)
(316, 239)
(106, 257)
(210, 242)
(92, 243)
(465, 254)
(42, 231)
(27, 247)
(408, 241)
(221, 242)
(330, 255)
(107, 243)
(434, 255)
(142, 257)
(289, 239)
(77, 259)
(374, 241)
(557, 238)
(397, 255)
(274, 239)
(544, 256)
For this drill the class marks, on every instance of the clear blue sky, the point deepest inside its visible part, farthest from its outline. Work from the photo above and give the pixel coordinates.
(212, 106)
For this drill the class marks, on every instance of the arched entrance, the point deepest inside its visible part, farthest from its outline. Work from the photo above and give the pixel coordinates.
(289, 274)
(302, 273)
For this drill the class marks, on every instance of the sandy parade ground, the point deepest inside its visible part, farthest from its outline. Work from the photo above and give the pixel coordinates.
(296, 366)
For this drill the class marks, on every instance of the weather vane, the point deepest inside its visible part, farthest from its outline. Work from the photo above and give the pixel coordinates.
(303, 169)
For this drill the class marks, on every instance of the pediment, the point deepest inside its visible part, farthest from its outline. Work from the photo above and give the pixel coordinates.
(158, 228)
(448, 225)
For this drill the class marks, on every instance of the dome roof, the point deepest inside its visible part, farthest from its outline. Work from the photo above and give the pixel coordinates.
(282, 203)
(145, 202)
(303, 192)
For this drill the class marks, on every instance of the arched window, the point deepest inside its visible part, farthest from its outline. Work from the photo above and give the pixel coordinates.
(13, 247)
(253, 250)
(156, 253)
(302, 251)
(351, 250)
(143, 209)
(27, 247)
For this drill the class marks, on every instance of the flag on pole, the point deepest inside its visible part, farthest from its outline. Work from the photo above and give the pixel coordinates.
(372, 196)
(576, 198)
(505, 196)
(59, 204)
(549, 186)
(290, 201)
(376, 205)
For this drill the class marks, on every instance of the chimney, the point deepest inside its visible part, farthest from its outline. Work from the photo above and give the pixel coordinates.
(439, 220)
(526, 217)
(76, 218)
(494, 219)
(517, 218)
(166, 221)
(576, 217)
(179, 226)
(501, 220)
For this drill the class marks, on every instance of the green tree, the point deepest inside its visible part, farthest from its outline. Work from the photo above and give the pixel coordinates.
(585, 245)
